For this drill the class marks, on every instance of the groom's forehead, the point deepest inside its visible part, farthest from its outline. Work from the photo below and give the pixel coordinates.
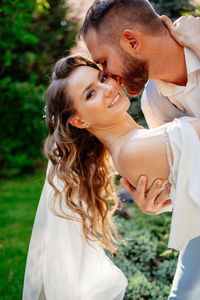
(94, 45)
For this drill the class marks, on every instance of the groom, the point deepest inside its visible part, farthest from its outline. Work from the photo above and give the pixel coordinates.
(133, 45)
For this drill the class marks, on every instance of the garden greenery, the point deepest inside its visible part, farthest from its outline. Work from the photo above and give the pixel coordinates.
(147, 263)
(33, 35)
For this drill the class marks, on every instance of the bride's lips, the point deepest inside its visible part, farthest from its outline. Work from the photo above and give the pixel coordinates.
(115, 100)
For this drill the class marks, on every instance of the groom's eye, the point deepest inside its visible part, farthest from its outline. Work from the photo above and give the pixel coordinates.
(104, 77)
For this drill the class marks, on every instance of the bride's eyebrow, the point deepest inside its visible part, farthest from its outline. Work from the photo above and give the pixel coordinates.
(90, 85)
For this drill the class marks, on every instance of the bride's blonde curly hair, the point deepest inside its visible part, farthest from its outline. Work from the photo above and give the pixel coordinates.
(80, 161)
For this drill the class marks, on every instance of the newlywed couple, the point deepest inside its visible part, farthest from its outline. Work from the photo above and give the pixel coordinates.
(88, 123)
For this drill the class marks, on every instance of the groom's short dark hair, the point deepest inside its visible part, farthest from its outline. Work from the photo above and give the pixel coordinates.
(112, 16)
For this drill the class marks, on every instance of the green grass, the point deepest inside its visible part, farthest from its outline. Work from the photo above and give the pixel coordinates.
(18, 203)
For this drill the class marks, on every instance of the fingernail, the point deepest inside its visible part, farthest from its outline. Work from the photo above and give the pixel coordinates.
(159, 182)
(168, 187)
(142, 178)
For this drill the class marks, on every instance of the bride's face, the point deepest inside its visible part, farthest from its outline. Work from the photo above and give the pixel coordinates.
(97, 98)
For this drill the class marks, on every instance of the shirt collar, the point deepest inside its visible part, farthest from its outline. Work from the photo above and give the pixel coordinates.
(192, 62)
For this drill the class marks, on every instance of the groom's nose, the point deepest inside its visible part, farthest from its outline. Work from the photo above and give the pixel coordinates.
(105, 70)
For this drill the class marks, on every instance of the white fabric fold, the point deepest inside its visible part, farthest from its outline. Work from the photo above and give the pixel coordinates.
(185, 193)
(61, 265)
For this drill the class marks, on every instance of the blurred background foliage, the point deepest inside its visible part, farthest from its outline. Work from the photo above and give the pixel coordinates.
(33, 35)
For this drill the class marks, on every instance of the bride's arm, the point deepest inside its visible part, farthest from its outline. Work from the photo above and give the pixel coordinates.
(186, 31)
(148, 157)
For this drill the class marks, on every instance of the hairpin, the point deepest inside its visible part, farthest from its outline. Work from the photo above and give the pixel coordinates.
(54, 76)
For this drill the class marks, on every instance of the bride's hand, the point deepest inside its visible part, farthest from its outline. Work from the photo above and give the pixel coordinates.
(152, 202)
(186, 31)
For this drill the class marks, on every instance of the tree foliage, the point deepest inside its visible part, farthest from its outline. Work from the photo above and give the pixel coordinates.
(33, 35)
(173, 8)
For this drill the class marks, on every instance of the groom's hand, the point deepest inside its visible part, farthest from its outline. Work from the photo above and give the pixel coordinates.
(151, 202)
(185, 30)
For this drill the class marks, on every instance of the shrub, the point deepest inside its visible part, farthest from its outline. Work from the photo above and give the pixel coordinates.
(145, 260)
(33, 35)
(23, 128)
(173, 8)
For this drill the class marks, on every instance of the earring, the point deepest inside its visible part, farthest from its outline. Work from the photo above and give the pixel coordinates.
(87, 126)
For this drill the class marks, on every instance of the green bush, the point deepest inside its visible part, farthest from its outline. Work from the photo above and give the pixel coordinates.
(145, 260)
(33, 35)
(173, 8)
(164, 271)
(23, 126)
(140, 288)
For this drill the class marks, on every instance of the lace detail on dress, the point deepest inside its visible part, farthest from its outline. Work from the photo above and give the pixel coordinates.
(169, 157)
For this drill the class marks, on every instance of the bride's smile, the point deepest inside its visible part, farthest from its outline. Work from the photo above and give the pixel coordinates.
(115, 101)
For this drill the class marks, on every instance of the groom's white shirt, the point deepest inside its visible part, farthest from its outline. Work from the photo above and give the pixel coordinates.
(157, 105)
(185, 98)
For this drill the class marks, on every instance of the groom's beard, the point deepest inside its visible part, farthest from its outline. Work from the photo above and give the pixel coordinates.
(135, 74)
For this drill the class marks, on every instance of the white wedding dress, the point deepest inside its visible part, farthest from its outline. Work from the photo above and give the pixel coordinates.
(62, 266)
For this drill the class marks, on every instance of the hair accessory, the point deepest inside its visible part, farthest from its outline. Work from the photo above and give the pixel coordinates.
(45, 115)
(54, 76)
(45, 110)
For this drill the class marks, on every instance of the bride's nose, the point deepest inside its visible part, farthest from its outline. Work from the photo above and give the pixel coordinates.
(108, 91)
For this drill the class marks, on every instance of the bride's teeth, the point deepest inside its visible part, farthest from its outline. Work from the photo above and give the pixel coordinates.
(116, 98)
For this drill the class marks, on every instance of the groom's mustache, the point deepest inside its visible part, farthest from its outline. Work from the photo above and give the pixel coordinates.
(133, 85)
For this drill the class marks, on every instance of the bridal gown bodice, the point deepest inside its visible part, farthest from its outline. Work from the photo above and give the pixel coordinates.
(62, 266)
(185, 182)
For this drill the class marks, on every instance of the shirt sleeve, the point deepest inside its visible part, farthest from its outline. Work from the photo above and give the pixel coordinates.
(185, 190)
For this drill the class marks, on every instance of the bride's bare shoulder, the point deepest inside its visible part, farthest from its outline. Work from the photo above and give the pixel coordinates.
(144, 154)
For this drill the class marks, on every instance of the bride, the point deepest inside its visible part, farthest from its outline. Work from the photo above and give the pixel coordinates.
(86, 115)
(88, 122)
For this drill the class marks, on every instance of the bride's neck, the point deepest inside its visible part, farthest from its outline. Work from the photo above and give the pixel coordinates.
(110, 135)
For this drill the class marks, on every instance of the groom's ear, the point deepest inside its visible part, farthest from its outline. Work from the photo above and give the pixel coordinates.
(130, 41)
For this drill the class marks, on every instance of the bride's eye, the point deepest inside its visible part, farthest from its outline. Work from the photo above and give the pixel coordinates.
(104, 77)
(90, 94)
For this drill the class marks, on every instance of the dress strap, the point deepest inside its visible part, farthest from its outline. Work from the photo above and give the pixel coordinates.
(166, 138)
